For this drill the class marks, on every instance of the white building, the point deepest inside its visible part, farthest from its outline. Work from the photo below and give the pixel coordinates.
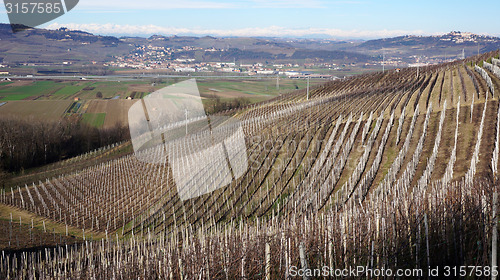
(185, 69)
(265, 72)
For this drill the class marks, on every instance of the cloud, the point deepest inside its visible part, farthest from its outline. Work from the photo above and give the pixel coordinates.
(271, 31)
(349, 2)
(281, 4)
(154, 5)
(105, 11)
(314, 4)
(202, 4)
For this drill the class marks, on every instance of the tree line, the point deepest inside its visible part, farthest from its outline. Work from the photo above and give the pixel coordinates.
(217, 105)
(31, 143)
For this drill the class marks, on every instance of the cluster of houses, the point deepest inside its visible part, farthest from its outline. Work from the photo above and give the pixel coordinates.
(154, 57)
(3, 73)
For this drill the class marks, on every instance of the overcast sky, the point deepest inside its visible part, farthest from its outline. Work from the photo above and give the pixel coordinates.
(363, 19)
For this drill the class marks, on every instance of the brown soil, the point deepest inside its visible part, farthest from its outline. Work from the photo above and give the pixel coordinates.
(116, 110)
(15, 237)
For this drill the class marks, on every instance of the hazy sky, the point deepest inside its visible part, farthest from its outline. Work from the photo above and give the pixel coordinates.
(287, 18)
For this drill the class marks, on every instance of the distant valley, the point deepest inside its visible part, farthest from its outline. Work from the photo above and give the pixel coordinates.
(63, 51)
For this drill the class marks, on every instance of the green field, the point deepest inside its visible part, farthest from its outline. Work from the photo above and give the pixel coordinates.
(94, 119)
(5, 83)
(50, 90)
(252, 89)
(70, 89)
(35, 89)
(108, 90)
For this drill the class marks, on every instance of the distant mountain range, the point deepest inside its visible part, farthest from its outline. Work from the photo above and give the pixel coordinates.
(77, 47)
(453, 45)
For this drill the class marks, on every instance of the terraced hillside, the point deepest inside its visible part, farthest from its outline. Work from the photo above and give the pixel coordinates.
(393, 169)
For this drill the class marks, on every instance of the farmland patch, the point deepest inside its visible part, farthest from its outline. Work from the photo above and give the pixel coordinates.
(38, 109)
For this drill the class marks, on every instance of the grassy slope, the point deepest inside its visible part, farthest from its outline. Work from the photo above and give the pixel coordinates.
(94, 119)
